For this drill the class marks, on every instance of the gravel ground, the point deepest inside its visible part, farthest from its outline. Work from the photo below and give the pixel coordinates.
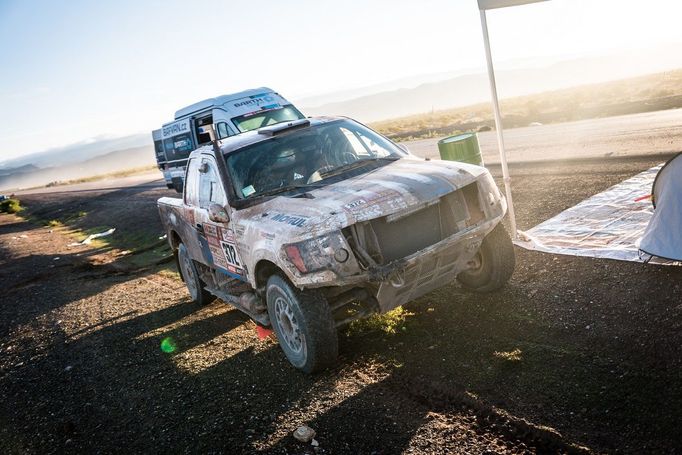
(574, 355)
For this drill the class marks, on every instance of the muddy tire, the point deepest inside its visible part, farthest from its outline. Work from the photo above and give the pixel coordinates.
(190, 275)
(493, 265)
(303, 324)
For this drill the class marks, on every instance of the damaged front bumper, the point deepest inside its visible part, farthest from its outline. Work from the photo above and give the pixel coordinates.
(431, 268)
(401, 256)
(409, 278)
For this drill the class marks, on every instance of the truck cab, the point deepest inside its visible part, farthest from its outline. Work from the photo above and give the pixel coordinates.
(229, 115)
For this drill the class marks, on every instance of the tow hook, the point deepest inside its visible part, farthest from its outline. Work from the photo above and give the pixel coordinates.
(397, 278)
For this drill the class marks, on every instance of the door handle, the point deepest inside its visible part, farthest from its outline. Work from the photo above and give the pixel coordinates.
(199, 227)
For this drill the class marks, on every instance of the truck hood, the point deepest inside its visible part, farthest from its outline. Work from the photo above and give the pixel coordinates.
(395, 187)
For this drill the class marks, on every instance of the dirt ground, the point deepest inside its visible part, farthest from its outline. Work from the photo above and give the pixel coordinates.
(574, 355)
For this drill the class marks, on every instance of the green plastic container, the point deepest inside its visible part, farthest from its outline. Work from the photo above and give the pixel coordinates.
(463, 148)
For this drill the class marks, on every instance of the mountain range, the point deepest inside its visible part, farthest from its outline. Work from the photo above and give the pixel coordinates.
(467, 89)
(398, 98)
(28, 175)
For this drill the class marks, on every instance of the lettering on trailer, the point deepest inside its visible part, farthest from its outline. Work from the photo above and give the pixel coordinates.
(256, 100)
(175, 128)
(292, 220)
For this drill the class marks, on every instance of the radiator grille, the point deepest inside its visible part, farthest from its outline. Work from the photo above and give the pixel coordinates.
(389, 238)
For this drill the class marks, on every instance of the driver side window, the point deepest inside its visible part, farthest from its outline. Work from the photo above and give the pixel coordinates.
(210, 186)
(191, 182)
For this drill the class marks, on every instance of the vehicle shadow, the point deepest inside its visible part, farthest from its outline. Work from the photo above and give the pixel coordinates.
(465, 373)
(521, 371)
(35, 285)
(450, 377)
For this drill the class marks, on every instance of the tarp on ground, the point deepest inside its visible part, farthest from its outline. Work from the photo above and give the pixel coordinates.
(607, 225)
(663, 235)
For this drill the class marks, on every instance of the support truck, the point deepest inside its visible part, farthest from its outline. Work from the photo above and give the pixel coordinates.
(229, 115)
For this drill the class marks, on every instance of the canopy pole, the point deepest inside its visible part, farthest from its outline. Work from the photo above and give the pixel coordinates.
(498, 126)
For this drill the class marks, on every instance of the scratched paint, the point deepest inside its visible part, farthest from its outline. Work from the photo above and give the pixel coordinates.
(260, 232)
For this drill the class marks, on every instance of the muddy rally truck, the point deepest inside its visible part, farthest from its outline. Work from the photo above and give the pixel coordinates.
(309, 225)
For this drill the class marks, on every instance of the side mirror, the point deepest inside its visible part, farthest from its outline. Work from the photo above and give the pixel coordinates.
(218, 214)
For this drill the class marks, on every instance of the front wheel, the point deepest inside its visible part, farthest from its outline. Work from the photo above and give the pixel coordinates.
(493, 265)
(190, 275)
(304, 325)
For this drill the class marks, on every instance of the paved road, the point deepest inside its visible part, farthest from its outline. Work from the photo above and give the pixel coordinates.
(653, 133)
(628, 135)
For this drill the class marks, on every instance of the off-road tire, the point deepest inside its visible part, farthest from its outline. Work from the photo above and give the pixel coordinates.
(190, 275)
(310, 325)
(495, 262)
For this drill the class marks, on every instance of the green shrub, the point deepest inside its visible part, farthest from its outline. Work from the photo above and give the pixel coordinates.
(390, 323)
(10, 206)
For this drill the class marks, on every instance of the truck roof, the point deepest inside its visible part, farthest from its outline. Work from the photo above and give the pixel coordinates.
(219, 101)
(233, 143)
(239, 141)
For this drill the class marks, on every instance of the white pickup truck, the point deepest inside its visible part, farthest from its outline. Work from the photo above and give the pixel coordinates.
(308, 225)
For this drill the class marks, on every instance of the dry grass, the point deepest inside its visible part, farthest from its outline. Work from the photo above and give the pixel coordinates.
(390, 323)
(640, 94)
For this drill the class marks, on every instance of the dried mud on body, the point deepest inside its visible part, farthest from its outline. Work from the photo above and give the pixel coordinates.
(574, 355)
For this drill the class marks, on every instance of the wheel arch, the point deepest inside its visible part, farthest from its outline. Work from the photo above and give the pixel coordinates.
(174, 240)
(265, 269)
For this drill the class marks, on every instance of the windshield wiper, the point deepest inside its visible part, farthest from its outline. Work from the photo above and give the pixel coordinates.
(284, 189)
(357, 164)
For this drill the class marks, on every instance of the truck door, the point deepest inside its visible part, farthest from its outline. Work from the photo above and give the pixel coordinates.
(191, 232)
(199, 122)
(217, 240)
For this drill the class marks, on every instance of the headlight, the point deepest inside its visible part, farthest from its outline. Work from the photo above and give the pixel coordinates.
(319, 253)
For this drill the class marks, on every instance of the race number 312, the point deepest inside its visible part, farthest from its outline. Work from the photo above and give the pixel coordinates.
(231, 254)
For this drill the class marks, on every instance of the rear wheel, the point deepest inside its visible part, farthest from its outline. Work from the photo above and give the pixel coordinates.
(190, 275)
(493, 265)
(303, 324)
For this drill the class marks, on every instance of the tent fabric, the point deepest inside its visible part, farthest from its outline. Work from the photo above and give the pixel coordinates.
(663, 235)
(607, 225)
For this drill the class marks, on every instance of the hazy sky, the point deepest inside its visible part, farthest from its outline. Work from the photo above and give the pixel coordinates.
(72, 70)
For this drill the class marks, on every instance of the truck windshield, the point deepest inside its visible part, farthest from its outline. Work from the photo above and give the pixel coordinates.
(306, 157)
(258, 119)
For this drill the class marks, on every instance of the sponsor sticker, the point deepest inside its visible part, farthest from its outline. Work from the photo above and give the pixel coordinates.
(211, 233)
(355, 204)
(290, 219)
(227, 235)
